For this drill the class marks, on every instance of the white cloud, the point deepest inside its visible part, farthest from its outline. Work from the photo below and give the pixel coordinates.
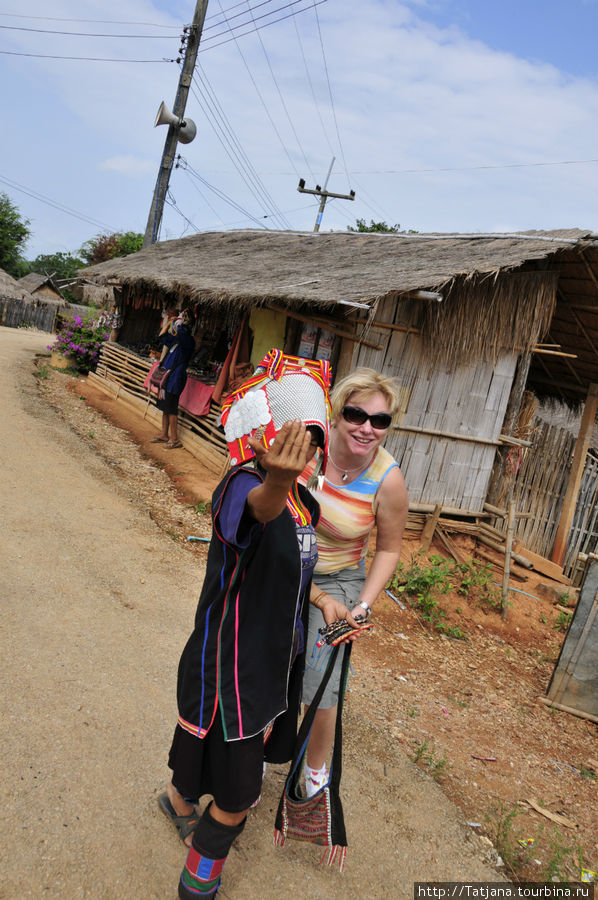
(407, 95)
(132, 166)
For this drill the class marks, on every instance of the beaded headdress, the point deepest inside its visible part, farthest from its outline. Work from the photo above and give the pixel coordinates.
(282, 387)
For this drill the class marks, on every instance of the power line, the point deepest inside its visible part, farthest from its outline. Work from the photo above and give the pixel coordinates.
(170, 201)
(227, 134)
(117, 21)
(263, 102)
(201, 50)
(330, 94)
(257, 18)
(284, 106)
(562, 162)
(221, 195)
(91, 21)
(252, 30)
(244, 12)
(85, 58)
(85, 33)
(14, 185)
(311, 86)
(182, 165)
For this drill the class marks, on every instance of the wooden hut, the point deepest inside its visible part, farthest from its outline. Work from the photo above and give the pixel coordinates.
(17, 306)
(42, 287)
(466, 322)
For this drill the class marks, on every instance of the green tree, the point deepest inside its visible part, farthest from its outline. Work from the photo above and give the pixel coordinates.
(374, 226)
(380, 227)
(108, 246)
(14, 232)
(61, 267)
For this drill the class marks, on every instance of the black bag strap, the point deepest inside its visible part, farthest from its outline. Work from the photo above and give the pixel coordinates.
(308, 720)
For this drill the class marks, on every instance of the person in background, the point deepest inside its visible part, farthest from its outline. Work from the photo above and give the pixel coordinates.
(178, 348)
(363, 489)
(239, 677)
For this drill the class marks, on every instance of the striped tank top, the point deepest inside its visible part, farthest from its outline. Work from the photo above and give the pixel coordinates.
(347, 515)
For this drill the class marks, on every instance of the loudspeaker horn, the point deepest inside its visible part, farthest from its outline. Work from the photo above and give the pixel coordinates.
(186, 127)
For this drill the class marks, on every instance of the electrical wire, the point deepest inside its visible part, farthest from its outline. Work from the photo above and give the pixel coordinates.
(231, 28)
(15, 186)
(202, 49)
(233, 148)
(284, 106)
(252, 30)
(229, 128)
(361, 191)
(265, 106)
(562, 162)
(222, 196)
(340, 143)
(170, 201)
(228, 19)
(117, 21)
(182, 165)
(85, 33)
(84, 58)
(94, 21)
(311, 87)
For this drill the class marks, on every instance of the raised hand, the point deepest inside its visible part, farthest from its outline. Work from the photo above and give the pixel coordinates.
(283, 461)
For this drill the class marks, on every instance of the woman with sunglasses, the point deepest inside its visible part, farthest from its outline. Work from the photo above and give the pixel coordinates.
(363, 489)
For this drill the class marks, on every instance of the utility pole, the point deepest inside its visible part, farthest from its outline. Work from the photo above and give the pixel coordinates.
(323, 194)
(176, 123)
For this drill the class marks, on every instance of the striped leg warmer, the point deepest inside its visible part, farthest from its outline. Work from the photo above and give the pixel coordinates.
(207, 854)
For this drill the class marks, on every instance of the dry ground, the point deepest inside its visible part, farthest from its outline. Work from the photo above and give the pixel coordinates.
(466, 710)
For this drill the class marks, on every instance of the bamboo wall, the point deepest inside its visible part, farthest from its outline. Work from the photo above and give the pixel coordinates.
(21, 313)
(447, 439)
(583, 537)
(540, 484)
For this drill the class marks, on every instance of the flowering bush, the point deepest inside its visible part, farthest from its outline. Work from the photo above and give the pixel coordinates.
(81, 340)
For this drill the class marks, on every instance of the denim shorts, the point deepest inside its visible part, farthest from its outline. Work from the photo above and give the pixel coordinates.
(345, 586)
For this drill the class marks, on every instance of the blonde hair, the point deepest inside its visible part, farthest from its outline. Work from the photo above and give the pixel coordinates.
(368, 382)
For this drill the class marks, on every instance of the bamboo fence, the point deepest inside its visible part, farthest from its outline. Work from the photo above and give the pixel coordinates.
(121, 374)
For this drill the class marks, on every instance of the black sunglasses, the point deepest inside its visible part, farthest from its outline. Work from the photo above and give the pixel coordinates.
(357, 416)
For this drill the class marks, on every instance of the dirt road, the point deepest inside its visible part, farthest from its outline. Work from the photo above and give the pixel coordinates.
(96, 604)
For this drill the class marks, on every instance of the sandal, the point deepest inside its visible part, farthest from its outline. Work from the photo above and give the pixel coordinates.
(173, 445)
(185, 825)
(159, 440)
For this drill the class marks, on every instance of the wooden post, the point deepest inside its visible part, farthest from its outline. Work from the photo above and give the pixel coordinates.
(510, 421)
(343, 363)
(579, 457)
(508, 549)
(430, 528)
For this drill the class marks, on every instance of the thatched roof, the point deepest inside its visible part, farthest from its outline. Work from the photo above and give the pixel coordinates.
(10, 289)
(36, 281)
(323, 268)
(500, 290)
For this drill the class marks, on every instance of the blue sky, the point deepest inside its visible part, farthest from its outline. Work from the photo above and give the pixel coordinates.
(442, 115)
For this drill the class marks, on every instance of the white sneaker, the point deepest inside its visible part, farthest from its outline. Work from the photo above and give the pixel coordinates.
(315, 779)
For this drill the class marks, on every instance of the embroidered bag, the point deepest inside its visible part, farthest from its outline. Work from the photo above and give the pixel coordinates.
(158, 380)
(318, 819)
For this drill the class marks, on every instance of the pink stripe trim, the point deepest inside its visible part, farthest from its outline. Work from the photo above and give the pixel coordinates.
(241, 735)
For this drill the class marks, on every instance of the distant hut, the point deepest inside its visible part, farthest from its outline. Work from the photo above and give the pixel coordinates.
(42, 287)
(10, 289)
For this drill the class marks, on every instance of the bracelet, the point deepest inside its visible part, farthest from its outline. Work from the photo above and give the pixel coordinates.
(368, 609)
(314, 602)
